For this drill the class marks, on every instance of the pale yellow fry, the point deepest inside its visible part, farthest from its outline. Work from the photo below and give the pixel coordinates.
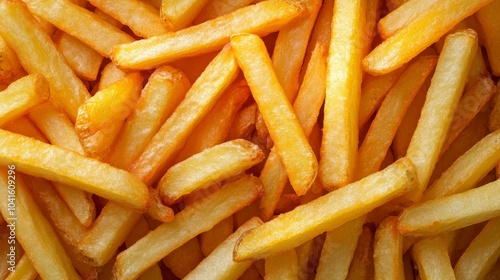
(451, 212)
(33, 231)
(285, 130)
(191, 221)
(24, 270)
(432, 259)
(467, 170)
(488, 20)
(38, 54)
(77, 21)
(326, 213)
(388, 251)
(217, 8)
(339, 146)
(442, 98)
(338, 250)
(165, 89)
(21, 96)
(261, 19)
(179, 14)
(9, 65)
(64, 166)
(283, 266)
(142, 19)
(201, 97)
(220, 264)
(482, 253)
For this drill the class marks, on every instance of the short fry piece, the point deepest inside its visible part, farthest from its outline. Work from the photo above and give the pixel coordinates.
(179, 14)
(282, 266)
(388, 251)
(488, 19)
(432, 259)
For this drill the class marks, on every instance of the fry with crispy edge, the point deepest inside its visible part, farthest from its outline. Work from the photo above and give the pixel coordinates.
(488, 19)
(451, 212)
(38, 54)
(339, 146)
(326, 213)
(21, 96)
(34, 232)
(64, 166)
(179, 14)
(24, 270)
(390, 114)
(9, 66)
(388, 251)
(261, 19)
(289, 139)
(199, 171)
(217, 8)
(482, 253)
(442, 99)
(192, 221)
(432, 259)
(220, 264)
(284, 265)
(419, 34)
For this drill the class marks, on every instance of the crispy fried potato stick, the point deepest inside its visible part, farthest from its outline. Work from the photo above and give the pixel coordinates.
(184, 259)
(9, 65)
(326, 213)
(488, 19)
(179, 14)
(34, 232)
(388, 251)
(420, 34)
(432, 259)
(192, 221)
(289, 138)
(284, 265)
(262, 18)
(339, 146)
(38, 54)
(64, 166)
(217, 8)
(24, 270)
(362, 262)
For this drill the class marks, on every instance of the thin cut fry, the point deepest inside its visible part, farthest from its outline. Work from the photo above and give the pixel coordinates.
(261, 19)
(432, 259)
(388, 251)
(179, 14)
(9, 65)
(217, 8)
(24, 270)
(282, 266)
(488, 19)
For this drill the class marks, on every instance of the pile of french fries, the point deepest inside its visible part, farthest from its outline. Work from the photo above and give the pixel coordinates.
(240, 139)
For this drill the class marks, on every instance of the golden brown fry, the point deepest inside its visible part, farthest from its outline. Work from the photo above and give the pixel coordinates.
(157, 210)
(109, 75)
(432, 259)
(244, 123)
(488, 19)
(282, 266)
(261, 19)
(177, 15)
(209, 240)
(24, 270)
(9, 65)
(217, 8)
(494, 121)
(184, 259)
(388, 251)
(362, 262)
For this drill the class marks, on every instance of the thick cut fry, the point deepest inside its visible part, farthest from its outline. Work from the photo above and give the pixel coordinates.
(481, 254)
(165, 89)
(184, 259)
(490, 23)
(209, 240)
(192, 221)
(38, 54)
(282, 266)
(339, 146)
(326, 213)
(21, 96)
(285, 130)
(362, 262)
(451, 212)
(220, 264)
(432, 259)
(390, 114)
(33, 231)
(179, 14)
(468, 170)
(9, 65)
(261, 19)
(201, 97)
(388, 251)
(338, 250)
(419, 34)
(104, 36)
(219, 8)
(442, 99)
(67, 167)
(24, 270)
(142, 19)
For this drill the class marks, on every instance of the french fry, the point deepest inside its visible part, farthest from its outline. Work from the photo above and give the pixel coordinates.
(218, 8)
(25, 126)
(323, 214)
(451, 212)
(179, 14)
(38, 54)
(261, 19)
(24, 270)
(481, 254)
(78, 24)
(157, 210)
(34, 232)
(111, 20)
(388, 250)
(390, 114)
(338, 250)
(432, 259)
(438, 109)
(284, 128)
(339, 146)
(494, 121)
(304, 253)
(246, 214)
(494, 273)
(201, 97)
(58, 164)
(244, 123)
(282, 266)
(209, 240)
(489, 22)
(223, 203)
(468, 170)
(9, 66)
(21, 96)
(420, 34)
(251, 273)
(362, 262)
(109, 75)
(184, 259)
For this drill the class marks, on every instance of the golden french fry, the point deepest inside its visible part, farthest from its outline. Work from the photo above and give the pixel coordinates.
(24, 270)
(388, 250)
(244, 123)
(487, 18)
(157, 210)
(25, 126)
(9, 66)
(339, 146)
(451, 212)
(420, 34)
(184, 259)
(284, 265)
(362, 262)
(299, 159)
(394, 4)
(38, 54)
(209, 240)
(177, 15)
(261, 19)
(219, 8)
(326, 212)
(223, 203)
(494, 121)
(109, 75)
(432, 259)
